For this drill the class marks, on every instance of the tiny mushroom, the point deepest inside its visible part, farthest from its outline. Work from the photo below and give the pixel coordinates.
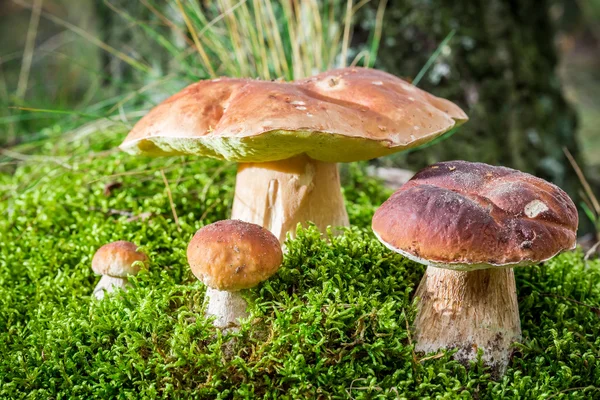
(288, 136)
(471, 223)
(228, 256)
(116, 261)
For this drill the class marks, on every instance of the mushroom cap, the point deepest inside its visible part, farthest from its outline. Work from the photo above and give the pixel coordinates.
(117, 259)
(465, 216)
(232, 255)
(343, 115)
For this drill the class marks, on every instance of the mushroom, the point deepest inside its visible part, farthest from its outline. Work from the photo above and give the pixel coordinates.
(471, 223)
(228, 256)
(116, 261)
(287, 136)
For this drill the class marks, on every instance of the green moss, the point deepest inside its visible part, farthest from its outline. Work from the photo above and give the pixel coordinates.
(332, 323)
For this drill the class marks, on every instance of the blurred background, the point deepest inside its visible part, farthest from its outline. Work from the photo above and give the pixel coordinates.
(527, 72)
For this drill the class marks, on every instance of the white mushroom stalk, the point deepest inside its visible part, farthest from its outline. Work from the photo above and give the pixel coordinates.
(116, 261)
(468, 311)
(228, 308)
(299, 189)
(109, 284)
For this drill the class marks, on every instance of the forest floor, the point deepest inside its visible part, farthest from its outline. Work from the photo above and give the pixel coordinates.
(333, 323)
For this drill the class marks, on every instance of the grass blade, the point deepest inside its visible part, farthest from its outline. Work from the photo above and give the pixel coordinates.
(203, 55)
(346, 40)
(433, 57)
(29, 48)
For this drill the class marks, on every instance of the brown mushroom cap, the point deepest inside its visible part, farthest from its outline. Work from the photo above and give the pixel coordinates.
(464, 216)
(343, 115)
(117, 259)
(232, 255)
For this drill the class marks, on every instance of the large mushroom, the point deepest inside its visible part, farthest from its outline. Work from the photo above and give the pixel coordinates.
(287, 136)
(116, 261)
(471, 223)
(228, 256)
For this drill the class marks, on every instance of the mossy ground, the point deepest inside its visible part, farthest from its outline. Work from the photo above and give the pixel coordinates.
(331, 324)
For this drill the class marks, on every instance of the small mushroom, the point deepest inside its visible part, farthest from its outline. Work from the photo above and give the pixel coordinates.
(116, 261)
(471, 223)
(228, 256)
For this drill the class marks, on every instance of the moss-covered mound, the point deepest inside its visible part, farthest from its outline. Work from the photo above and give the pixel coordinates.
(333, 323)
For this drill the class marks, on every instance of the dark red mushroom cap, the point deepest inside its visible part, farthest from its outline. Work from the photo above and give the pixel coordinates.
(232, 255)
(464, 216)
(342, 115)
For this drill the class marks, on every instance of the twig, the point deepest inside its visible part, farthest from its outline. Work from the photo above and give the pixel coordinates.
(131, 216)
(142, 216)
(591, 251)
(136, 172)
(170, 199)
(351, 388)
(410, 343)
(112, 211)
(208, 210)
(25, 157)
(584, 182)
(433, 357)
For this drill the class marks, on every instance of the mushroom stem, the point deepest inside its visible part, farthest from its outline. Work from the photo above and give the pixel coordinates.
(469, 310)
(109, 284)
(279, 194)
(226, 306)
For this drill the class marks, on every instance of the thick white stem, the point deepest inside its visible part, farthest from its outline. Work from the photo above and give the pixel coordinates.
(109, 284)
(278, 195)
(469, 311)
(227, 307)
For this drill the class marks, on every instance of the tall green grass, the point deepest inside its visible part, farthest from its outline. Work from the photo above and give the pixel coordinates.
(187, 40)
(267, 39)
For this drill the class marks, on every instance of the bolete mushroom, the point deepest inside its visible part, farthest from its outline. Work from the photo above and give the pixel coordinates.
(116, 261)
(287, 136)
(228, 256)
(471, 223)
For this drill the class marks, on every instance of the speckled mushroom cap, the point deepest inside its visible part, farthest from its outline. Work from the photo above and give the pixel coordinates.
(465, 216)
(117, 259)
(342, 115)
(232, 255)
